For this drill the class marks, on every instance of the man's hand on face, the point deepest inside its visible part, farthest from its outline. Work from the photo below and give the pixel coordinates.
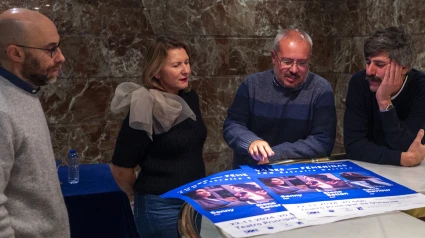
(416, 152)
(260, 150)
(391, 83)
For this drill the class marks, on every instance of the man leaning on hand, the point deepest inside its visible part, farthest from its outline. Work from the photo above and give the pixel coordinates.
(385, 106)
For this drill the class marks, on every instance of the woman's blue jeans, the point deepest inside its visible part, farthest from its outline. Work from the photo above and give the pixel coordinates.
(157, 217)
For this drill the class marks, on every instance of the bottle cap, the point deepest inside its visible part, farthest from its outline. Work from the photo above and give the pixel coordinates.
(72, 151)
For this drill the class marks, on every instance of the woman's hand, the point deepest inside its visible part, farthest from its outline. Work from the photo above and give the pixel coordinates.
(125, 178)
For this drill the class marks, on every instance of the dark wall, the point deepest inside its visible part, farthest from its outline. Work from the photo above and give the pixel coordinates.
(104, 42)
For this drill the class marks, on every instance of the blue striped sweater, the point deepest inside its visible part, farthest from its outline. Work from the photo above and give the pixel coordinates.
(297, 123)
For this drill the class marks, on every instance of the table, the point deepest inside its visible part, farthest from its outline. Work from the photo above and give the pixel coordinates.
(96, 206)
(390, 225)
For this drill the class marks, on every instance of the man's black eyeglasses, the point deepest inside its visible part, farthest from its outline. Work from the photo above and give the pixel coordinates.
(52, 50)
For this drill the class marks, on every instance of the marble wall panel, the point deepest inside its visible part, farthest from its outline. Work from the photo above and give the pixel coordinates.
(266, 18)
(112, 18)
(228, 56)
(208, 56)
(339, 140)
(363, 17)
(91, 17)
(98, 56)
(338, 149)
(420, 50)
(347, 16)
(217, 162)
(208, 17)
(30, 4)
(341, 90)
(348, 54)
(313, 17)
(155, 20)
(104, 43)
(80, 100)
(339, 83)
(94, 142)
(216, 94)
(331, 77)
(410, 15)
(215, 141)
(379, 14)
(322, 56)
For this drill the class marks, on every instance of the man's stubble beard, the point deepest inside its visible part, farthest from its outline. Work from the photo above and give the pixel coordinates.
(31, 71)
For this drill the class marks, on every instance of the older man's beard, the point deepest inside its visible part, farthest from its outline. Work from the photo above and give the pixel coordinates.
(297, 77)
(31, 71)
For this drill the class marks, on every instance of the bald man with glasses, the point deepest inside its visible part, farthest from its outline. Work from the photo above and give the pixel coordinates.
(285, 112)
(31, 202)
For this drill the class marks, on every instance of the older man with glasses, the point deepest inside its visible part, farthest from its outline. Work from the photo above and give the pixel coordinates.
(285, 112)
(31, 202)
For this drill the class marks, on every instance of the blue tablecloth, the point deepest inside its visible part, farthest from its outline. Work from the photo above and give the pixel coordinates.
(96, 206)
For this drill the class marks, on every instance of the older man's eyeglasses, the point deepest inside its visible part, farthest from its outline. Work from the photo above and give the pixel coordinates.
(287, 64)
(51, 50)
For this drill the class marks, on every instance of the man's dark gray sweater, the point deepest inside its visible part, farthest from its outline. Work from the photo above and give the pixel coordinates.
(31, 202)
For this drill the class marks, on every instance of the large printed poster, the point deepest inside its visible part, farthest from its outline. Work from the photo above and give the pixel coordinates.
(264, 199)
(331, 189)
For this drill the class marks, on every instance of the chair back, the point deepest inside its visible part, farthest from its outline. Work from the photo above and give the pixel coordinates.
(186, 222)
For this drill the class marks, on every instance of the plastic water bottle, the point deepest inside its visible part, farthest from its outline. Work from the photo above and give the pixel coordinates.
(73, 168)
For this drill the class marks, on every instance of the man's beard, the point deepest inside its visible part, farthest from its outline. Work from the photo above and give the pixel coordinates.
(31, 71)
(297, 77)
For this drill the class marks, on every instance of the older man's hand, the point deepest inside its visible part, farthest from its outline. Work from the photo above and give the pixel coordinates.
(260, 150)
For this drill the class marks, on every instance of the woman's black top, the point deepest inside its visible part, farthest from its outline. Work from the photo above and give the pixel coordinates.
(172, 159)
